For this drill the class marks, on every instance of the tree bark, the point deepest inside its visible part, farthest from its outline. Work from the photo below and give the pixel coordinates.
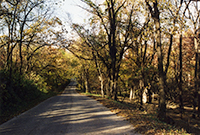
(102, 85)
(87, 89)
(198, 81)
(149, 95)
(180, 78)
(132, 93)
(141, 85)
(196, 77)
(155, 13)
(108, 88)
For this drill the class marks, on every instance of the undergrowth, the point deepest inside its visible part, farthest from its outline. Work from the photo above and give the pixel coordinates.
(18, 94)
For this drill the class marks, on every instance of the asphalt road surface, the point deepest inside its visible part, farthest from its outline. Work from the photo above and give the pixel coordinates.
(67, 114)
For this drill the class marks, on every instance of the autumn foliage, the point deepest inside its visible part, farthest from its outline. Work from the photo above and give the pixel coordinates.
(32, 66)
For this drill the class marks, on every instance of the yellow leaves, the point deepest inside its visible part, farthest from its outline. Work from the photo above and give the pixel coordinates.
(52, 22)
(48, 22)
(36, 27)
(29, 31)
(151, 0)
(4, 38)
(58, 21)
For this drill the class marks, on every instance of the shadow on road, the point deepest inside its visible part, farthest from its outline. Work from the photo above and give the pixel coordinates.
(69, 113)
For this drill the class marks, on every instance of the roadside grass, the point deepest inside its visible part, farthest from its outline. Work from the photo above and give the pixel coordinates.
(145, 120)
(6, 115)
(10, 109)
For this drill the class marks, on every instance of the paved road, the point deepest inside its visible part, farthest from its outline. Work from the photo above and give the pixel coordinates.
(70, 114)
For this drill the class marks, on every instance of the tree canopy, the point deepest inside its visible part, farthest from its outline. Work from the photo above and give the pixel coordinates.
(137, 50)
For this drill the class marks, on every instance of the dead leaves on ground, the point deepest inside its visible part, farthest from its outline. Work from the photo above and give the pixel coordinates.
(145, 122)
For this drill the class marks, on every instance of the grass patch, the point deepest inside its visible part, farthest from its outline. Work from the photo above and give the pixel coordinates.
(90, 94)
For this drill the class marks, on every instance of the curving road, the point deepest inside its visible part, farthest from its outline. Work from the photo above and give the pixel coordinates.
(67, 114)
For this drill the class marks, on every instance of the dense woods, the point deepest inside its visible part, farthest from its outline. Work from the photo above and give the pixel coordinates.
(144, 51)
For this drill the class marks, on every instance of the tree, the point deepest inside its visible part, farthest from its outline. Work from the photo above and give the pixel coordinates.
(110, 42)
(18, 17)
(193, 15)
(155, 13)
(26, 27)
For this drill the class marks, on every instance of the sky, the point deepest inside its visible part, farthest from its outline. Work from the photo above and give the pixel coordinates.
(77, 14)
(70, 7)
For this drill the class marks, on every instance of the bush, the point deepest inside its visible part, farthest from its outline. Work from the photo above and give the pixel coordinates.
(21, 92)
(17, 93)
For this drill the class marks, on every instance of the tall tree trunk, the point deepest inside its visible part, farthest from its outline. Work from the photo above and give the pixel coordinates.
(149, 95)
(102, 85)
(196, 77)
(113, 84)
(21, 59)
(162, 102)
(115, 94)
(108, 88)
(87, 89)
(10, 63)
(198, 89)
(132, 93)
(100, 74)
(83, 81)
(198, 73)
(141, 85)
(112, 47)
(180, 78)
(155, 13)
